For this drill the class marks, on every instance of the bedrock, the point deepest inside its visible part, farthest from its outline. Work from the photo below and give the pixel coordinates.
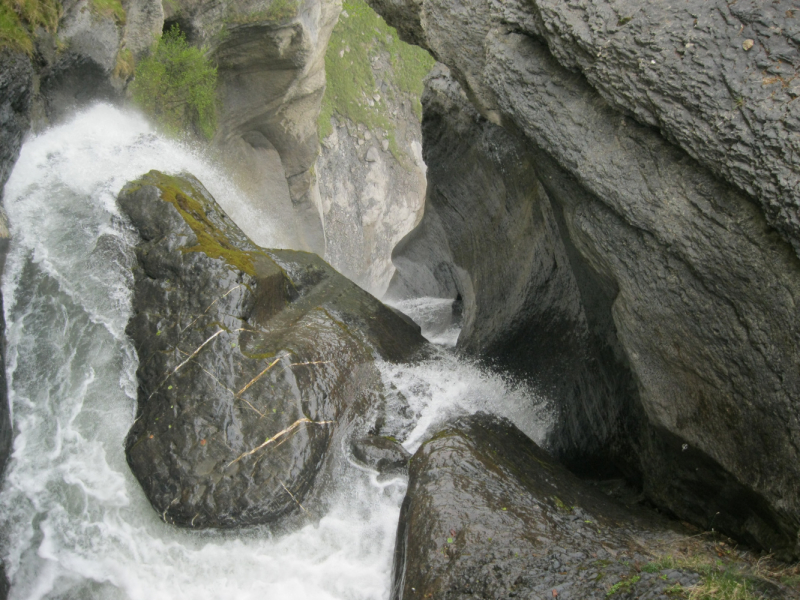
(654, 258)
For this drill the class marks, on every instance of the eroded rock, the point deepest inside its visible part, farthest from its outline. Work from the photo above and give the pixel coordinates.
(251, 362)
(271, 77)
(383, 454)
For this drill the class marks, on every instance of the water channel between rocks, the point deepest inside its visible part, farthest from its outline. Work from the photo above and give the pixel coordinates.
(74, 522)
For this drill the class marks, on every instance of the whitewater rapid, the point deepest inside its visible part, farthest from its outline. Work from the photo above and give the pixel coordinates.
(74, 522)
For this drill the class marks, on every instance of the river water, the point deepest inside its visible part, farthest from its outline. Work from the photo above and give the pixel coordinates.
(74, 523)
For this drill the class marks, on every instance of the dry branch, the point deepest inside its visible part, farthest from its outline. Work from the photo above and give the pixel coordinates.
(191, 356)
(280, 434)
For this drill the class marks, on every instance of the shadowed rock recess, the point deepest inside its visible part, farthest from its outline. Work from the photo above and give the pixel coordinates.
(252, 363)
(633, 166)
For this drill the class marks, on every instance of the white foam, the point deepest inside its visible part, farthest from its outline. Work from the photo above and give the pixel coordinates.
(446, 387)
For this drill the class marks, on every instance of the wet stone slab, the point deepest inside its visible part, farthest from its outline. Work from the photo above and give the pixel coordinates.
(488, 514)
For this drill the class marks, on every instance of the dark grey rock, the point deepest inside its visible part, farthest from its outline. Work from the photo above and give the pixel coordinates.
(4, 586)
(490, 236)
(488, 514)
(16, 89)
(252, 363)
(383, 454)
(681, 273)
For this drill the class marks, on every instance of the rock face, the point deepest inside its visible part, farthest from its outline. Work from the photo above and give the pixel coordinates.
(684, 263)
(16, 82)
(271, 74)
(252, 363)
(488, 514)
(372, 178)
(491, 237)
(368, 205)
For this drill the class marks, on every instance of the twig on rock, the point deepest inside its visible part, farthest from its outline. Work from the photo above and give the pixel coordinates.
(295, 499)
(191, 356)
(280, 434)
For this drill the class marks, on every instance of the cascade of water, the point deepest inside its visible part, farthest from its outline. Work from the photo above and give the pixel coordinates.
(73, 521)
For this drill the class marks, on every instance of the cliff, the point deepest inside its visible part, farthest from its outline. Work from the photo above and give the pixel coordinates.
(644, 225)
(372, 178)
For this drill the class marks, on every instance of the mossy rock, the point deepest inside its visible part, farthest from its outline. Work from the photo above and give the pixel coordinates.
(251, 361)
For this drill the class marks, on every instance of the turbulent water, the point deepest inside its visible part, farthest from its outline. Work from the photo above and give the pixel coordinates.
(73, 521)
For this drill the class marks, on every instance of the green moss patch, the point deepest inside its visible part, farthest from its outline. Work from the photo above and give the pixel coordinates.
(623, 586)
(278, 10)
(109, 8)
(360, 37)
(18, 18)
(211, 240)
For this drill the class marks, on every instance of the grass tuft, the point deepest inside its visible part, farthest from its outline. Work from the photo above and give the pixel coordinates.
(176, 85)
(109, 8)
(18, 18)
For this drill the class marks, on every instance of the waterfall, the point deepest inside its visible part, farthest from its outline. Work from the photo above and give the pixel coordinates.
(74, 522)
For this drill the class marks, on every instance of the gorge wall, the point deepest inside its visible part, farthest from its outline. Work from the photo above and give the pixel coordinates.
(611, 194)
(372, 178)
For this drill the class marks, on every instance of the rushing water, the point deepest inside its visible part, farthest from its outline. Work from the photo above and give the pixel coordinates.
(74, 522)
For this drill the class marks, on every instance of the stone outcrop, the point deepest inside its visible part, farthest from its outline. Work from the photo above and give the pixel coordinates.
(491, 237)
(680, 238)
(372, 178)
(16, 82)
(370, 200)
(254, 365)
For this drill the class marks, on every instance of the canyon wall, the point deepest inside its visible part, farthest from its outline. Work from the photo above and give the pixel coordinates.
(635, 254)
(372, 178)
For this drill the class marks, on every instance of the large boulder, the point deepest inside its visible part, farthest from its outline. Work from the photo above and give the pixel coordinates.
(488, 514)
(685, 262)
(251, 362)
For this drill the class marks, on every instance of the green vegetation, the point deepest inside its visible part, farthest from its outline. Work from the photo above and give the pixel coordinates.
(18, 18)
(109, 8)
(561, 506)
(623, 586)
(359, 38)
(719, 580)
(213, 242)
(176, 85)
(125, 64)
(278, 10)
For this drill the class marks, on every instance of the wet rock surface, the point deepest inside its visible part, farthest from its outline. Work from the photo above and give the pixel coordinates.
(490, 235)
(488, 514)
(686, 273)
(383, 454)
(252, 363)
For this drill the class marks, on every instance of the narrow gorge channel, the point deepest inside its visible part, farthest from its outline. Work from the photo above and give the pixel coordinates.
(76, 523)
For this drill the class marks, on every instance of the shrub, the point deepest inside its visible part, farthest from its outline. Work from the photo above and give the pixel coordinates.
(176, 85)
